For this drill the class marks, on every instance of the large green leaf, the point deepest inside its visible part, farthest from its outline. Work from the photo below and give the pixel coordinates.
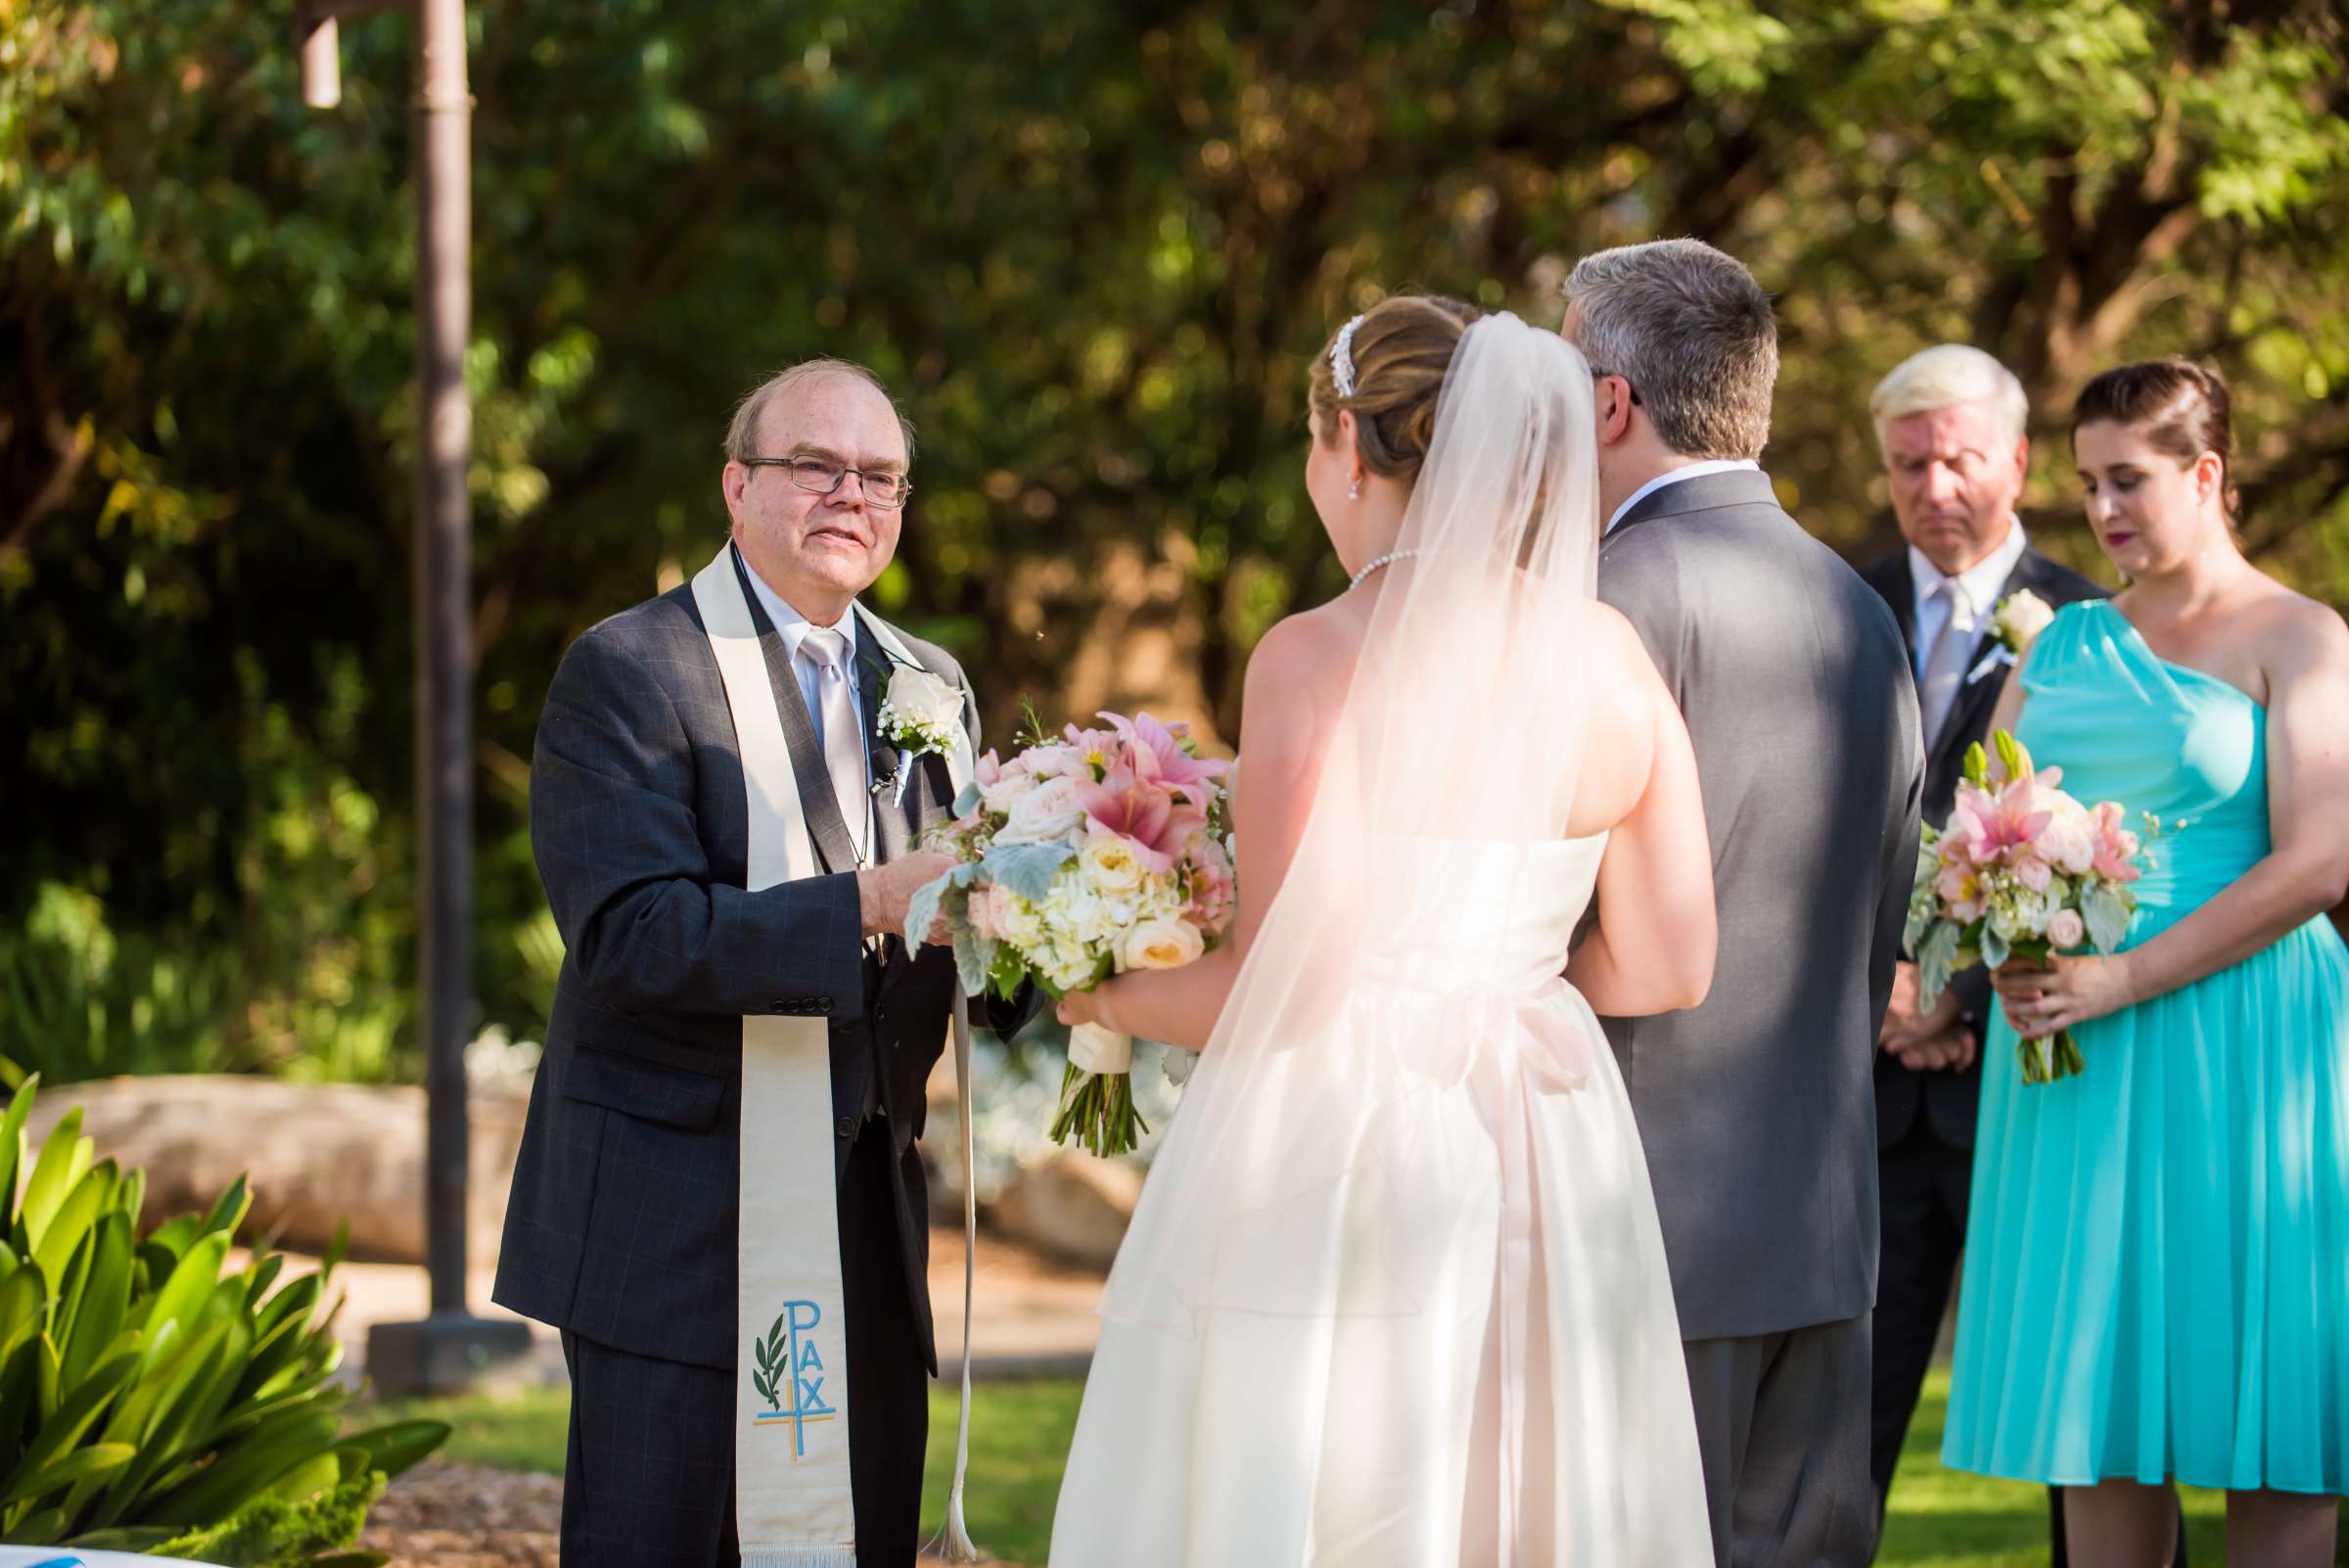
(246, 1469)
(95, 1462)
(229, 1211)
(77, 1413)
(186, 1293)
(74, 1218)
(54, 1175)
(105, 1301)
(11, 1140)
(400, 1446)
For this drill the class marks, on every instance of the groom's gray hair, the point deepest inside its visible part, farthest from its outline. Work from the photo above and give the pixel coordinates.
(1692, 330)
(742, 433)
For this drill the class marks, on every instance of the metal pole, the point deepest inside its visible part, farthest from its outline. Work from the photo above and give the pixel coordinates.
(444, 627)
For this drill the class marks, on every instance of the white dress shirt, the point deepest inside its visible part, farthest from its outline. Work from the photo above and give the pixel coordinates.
(1672, 476)
(1982, 582)
(795, 628)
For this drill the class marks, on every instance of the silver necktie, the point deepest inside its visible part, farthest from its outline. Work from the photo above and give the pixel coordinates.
(1945, 667)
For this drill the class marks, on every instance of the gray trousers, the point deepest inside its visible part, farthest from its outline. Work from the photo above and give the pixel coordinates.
(1783, 1420)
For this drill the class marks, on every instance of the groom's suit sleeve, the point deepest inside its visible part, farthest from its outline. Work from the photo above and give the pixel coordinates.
(648, 926)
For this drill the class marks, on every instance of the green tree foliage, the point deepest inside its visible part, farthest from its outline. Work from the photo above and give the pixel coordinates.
(1093, 247)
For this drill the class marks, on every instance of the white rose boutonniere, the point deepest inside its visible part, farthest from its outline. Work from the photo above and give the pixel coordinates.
(919, 715)
(2020, 620)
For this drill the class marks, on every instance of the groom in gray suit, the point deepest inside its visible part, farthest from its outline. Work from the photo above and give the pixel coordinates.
(1757, 1108)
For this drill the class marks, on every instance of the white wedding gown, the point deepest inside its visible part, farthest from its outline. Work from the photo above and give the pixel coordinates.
(1495, 1376)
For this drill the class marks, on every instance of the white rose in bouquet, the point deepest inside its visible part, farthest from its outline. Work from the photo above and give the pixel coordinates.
(1048, 813)
(1166, 942)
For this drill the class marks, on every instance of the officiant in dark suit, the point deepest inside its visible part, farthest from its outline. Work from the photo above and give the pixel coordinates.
(1949, 422)
(646, 817)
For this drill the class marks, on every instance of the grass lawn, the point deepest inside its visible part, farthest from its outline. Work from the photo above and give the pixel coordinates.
(1020, 1434)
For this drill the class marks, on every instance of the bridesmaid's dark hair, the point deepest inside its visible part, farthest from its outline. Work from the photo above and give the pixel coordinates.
(2180, 407)
(1400, 353)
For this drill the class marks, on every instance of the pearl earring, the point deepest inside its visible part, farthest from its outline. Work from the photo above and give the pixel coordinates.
(1354, 491)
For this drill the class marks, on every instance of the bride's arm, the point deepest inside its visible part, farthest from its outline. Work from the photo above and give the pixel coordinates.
(1285, 706)
(1653, 947)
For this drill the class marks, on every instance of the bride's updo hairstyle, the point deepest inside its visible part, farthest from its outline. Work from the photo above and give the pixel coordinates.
(1400, 351)
(2180, 408)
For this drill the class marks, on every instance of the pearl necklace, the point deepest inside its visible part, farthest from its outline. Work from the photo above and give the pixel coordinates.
(1387, 559)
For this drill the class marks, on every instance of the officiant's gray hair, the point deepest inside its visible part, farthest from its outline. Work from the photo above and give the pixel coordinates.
(1692, 332)
(741, 434)
(1947, 376)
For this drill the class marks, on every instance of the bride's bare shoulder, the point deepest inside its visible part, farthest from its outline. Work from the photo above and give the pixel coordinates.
(1311, 648)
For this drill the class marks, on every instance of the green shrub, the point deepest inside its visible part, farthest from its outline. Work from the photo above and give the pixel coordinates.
(149, 1401)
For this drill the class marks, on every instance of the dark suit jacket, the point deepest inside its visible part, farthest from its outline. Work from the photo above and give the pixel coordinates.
(1948, 1098)
(622, 1223)
(1756, 1108)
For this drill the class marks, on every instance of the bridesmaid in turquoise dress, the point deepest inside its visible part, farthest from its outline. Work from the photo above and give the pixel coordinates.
(2157, 1261)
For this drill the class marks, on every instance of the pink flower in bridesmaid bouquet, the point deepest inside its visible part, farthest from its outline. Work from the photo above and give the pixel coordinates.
(2035, 873)
(1962, 889)
(2065, 928)
(1999, 828)
(2116, 845)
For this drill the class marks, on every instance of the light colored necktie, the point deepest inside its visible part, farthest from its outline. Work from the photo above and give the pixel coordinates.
(840, 732)
(1945, 667)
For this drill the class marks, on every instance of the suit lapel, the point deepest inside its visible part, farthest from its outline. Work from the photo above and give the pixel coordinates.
(825, 825)
(1903, 599)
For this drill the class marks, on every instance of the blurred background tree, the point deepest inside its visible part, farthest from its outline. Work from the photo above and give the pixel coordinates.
(1094, 247)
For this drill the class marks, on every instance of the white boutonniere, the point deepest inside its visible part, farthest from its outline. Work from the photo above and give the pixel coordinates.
(2019, 618)
(919, 715)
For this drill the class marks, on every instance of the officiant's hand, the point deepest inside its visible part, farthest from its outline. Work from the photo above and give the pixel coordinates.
(1952, 1048)
(884, 892)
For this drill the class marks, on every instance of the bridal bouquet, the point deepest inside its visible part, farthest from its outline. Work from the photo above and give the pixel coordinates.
(2023, 869)
(1082, 857)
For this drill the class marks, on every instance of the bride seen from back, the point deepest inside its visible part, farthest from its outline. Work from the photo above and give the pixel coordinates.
(1395, 1293)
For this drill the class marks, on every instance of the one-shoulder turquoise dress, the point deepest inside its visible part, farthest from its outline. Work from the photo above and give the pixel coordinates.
(2156, 1278)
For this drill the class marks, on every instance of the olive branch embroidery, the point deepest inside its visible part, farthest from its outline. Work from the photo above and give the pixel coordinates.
(772, 1356)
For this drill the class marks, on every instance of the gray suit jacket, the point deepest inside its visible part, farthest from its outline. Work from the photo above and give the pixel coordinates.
(1758, 1109)
(622, 1223)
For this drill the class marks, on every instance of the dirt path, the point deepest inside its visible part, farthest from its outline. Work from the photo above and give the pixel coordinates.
(442, 1516)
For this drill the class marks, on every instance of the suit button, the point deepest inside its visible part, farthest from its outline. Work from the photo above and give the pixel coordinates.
(778, 1007)
(823, 1005)
(847, 1126)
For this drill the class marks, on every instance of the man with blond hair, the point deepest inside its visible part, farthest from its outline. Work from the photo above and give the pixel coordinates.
(1949, 423)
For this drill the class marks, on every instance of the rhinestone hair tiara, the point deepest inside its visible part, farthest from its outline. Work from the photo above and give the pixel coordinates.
(1341, 358)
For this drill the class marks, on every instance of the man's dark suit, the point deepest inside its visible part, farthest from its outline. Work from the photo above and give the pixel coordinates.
(1925, 1121)
(1755, 1108)
(620, 1230)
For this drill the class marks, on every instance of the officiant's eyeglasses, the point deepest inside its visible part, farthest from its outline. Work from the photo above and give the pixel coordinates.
(1597, 374)
(823, 477)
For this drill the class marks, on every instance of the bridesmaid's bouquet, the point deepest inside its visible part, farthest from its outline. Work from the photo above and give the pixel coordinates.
(2023, 869)
(1105, 850)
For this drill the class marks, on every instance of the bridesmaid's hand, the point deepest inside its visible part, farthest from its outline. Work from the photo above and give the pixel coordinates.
(2040, 1000)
